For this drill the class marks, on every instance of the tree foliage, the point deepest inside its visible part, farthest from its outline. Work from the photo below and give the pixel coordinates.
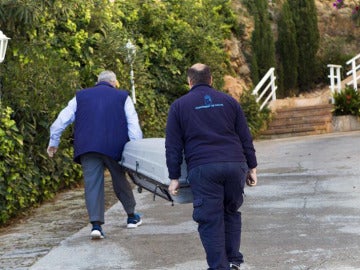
(262, 40)
(287, 50)
(307, 40)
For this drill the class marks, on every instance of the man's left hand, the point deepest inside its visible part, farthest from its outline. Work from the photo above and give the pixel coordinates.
(174, 187)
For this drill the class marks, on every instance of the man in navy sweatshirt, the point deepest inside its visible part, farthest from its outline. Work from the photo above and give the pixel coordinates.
(209, 128)
(105, 119)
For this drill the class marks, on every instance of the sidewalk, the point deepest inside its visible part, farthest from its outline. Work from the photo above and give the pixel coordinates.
(304, 214)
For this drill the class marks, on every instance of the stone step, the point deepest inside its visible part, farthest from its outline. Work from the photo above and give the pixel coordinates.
(301, 128)
(320, 109)
(294, 133)
(300, 121)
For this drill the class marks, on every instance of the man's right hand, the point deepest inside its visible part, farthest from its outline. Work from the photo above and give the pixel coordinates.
(251, 178)
(51, 150)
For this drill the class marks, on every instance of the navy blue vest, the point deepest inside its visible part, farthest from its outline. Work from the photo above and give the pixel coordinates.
(100, 121)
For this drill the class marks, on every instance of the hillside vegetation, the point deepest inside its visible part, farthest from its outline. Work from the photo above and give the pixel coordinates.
(339, 41)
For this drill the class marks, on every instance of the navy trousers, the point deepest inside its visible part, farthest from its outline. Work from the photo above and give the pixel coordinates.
(93, 166)
(218, 190)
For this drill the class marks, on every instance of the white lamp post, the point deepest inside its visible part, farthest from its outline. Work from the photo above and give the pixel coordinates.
(3, 45)
(131, 51)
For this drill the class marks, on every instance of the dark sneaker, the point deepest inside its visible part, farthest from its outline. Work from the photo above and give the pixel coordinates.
(96, 232)
(234, 266)
(133, 222)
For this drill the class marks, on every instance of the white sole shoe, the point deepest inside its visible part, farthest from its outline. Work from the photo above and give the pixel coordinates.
(132, 225)
(96, 234)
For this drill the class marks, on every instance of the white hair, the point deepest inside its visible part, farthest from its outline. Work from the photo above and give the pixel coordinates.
(107, 76)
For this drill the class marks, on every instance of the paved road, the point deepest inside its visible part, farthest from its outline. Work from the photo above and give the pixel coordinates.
(304, 214)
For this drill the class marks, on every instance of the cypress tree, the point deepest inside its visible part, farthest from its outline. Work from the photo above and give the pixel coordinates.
(287, 50)
(307, 39)
(262, 40)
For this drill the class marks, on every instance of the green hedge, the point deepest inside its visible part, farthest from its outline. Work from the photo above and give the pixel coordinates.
(26, 180)
(15, 194)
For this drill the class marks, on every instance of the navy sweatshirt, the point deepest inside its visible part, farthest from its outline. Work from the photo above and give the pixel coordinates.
(100, 121)
(206, 126)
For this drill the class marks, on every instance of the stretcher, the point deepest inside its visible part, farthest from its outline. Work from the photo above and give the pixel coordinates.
(145, 162)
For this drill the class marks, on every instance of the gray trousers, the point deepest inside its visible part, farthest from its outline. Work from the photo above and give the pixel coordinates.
(93, 166)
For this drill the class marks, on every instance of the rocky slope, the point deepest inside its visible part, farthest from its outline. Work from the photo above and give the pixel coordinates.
(337, 31)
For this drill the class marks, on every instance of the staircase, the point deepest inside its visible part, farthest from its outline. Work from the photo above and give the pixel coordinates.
(300, 121)
(308, 115)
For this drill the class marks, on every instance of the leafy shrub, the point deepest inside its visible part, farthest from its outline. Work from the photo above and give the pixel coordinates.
(36, 94)
(152, 108)
(347, 102)
(257, 120)
(332, 53)
(16, 191)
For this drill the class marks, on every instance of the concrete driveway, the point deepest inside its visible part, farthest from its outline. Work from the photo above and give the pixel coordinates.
(304, 214)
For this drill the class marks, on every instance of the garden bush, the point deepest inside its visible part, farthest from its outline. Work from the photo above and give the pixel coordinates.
(16, 189)
(257, 120)
(347, 102)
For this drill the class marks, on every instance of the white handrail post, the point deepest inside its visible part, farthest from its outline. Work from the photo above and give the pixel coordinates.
(353, 68)
(338, 77)
(335, 87)
(353, 71)
(273, 86)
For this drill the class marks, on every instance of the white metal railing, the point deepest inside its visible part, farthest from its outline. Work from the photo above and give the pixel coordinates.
(353, 74)
(335, 80)
(355, 67)
(262, 90)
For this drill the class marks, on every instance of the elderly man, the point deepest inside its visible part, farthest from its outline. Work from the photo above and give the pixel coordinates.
(105, 119)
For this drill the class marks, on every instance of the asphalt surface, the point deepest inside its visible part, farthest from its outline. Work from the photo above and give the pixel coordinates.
(304, 214)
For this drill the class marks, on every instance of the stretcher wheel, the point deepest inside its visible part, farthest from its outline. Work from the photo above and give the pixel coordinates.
(139, 189)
